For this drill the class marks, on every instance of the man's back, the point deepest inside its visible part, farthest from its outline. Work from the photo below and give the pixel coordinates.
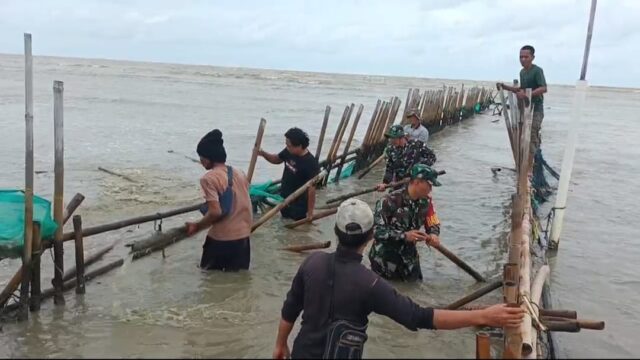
(357, 292)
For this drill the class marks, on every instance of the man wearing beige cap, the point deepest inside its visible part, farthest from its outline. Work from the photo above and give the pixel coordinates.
(415, 130)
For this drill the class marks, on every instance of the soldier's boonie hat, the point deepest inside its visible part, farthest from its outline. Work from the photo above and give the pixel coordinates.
(421, 171)
(396, 131)
(354, 216)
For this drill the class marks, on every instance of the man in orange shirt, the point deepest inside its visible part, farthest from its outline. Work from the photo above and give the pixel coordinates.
(229, 214)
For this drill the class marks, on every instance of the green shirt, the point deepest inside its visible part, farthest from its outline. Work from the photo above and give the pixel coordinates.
(533, 79)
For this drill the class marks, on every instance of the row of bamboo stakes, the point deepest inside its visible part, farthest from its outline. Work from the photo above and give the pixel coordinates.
(28, 277)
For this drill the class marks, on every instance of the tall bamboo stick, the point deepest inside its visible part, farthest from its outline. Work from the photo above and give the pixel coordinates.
(28, 187)
(354, 127)
(58, 250)
(325, 122)
(34, 304)
(256, 149)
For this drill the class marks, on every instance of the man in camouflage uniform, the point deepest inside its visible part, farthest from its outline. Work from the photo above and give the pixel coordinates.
(401, 154)
(397, 221)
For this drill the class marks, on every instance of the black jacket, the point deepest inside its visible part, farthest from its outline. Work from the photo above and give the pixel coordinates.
(358, 292)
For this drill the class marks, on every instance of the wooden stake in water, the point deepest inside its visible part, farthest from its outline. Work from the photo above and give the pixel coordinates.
(77, 229)
(28, 175)
(256, 149)
(323, 131)
(58, 249)
(354, 127)
(34, 304)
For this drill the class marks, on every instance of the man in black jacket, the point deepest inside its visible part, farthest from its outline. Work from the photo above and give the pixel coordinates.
(356, 292)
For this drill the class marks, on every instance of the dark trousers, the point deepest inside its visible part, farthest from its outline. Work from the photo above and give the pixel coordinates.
(294, 212)
(231, 255)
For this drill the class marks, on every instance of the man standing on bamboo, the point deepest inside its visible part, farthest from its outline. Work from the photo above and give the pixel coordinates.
(398, 218)
(401, 154)
(531, 77)
(228, 214)
(300, 166)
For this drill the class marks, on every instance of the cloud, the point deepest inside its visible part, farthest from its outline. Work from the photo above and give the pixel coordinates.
(472, 39)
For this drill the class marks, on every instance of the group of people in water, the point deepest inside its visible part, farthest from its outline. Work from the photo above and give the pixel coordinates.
(335, 292)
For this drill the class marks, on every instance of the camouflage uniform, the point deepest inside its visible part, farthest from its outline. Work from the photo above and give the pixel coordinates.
(391, 256)
(401, 158)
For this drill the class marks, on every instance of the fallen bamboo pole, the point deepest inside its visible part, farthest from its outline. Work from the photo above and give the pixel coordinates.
(125, 177)
(569, 314)
(266, 217)
(366, 191)
(36, 274)
(316, 216)
(371, 166)
(185, 156)
(133, 221)
(28, 176)
(77, 228)
(483, 345)
(256, 149)
(323, 131)
(158, 242)
(72, 283)
(13, 284)
(305, 247)
(58, 196)
(475, 295)
(89, 259)
(456, 260)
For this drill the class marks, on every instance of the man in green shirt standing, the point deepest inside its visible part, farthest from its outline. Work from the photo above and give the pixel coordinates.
(531, 76)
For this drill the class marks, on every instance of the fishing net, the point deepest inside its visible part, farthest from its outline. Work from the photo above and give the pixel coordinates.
(12, 221)
(542, 189)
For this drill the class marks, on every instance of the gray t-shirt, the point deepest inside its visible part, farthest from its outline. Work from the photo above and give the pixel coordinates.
(421, 133)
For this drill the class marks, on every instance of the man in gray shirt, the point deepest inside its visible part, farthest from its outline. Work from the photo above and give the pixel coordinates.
(415, 130)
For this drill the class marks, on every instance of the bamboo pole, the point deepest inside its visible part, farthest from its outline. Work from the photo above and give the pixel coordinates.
(335, 143)
(58, 250)
(569, 314)
(366, 191)
(525, 287)
(406, 106)
(483, 345)
(256, 149)
(367, 135)
(354, 127)
(536, 293)
(331, 161)
(266, 217)
(15, 281)
(371, 166)
(28, 176)
(158, 242)
(110, 172)
(72, 283)
(512, 339)
(325, 122)
(72, 206)
(36, 292)
(305, 247)
(456, 260)
(89, 260)
(316, 216)
(133, 221)
(77, 228)
(507, 123)
(475, 295)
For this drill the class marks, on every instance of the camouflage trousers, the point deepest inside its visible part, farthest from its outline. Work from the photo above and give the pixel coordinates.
(393, 267)
(536, 125)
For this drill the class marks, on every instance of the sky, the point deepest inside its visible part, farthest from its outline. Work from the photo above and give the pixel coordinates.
(454, 39)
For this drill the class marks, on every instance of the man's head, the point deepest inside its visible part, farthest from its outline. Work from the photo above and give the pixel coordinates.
(423, 178)
(297, 141)
(396, 135)
(211, 149)
(527, 54)
(414, 118)
(354, 224)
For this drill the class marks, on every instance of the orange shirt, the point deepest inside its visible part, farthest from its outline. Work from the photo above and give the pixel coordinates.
(237, 223)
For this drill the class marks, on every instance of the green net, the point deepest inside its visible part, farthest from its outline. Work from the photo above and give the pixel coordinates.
(266, 190)
(12, 221)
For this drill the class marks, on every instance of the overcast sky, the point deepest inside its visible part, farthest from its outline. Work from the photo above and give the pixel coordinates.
(455, 39)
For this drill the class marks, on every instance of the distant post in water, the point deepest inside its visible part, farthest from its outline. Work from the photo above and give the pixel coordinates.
(58, 215)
